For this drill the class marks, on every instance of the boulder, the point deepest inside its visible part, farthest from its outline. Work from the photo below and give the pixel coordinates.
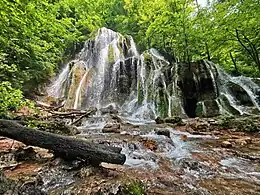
(226, 144)
(159, 120)
(108, 110)
(111, 128)
(164, 132)
(173, 120)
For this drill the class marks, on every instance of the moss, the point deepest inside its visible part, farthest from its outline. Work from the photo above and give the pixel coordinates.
(199, 109)
(58, 127)
(162, 106)
(92, 35)
(111, 57)
(134, 188)
(244, 124)
(147, 58)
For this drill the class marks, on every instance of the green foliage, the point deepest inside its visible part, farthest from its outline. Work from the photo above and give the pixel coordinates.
(134, 188)
(189, 32)
(37, 36)
(10, 99)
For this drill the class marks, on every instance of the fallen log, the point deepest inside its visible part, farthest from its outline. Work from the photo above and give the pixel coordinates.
(50, 106)
(76, 112)
(43, 105)
(62, 146)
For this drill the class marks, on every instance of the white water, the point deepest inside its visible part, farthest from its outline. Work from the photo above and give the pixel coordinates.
(109, 70)
(245, 83)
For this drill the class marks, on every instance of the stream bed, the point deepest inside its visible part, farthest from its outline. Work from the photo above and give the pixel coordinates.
(167, 159)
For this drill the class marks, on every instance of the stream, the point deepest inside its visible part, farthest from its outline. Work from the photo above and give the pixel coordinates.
(167, 159)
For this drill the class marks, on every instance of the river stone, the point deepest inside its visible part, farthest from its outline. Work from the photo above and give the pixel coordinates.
(112, 128)
(159, 120)
(164, 132)
(108, 110)
(226, 144)
(173, 120)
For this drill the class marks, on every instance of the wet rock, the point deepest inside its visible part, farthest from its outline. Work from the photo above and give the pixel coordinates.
(111, 128)
(164, 132)
(183, 137)
(86, 172)
(149, 143)
(159, 120)
(226, 144)
(207, 108)
(240, 94)
(116, 118)
(243, 141)
(212, 108)
(108, 110)
(225, 102)
(191, 164)
(24, 154)
(198, 126)
(173, 120)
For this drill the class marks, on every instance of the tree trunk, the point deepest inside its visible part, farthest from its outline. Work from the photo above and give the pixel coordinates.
(65, 147)
(234, 62)
(253, 54)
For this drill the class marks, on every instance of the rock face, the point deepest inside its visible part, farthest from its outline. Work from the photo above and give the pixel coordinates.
(110, 71)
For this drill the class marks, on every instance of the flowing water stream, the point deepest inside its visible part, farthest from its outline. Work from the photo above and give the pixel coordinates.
(141, 87)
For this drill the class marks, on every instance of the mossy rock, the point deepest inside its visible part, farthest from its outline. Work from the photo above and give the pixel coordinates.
(212, 108)
(173, 120)
(199, 109)
(134, 188)
(244, 124)
(227, 106)
(240, 94)
(111, 58)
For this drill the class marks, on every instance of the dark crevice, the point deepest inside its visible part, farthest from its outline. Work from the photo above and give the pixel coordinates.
(190, 106)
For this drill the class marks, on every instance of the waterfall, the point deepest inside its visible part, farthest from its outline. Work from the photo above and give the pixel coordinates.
(240, 92)
(110, 71)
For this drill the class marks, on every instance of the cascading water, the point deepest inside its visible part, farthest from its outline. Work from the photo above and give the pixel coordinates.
(98, 74)
(240, 93)
(109, 70)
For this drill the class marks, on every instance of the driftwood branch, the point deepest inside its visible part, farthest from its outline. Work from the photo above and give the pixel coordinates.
(65, 147)
(83, 116)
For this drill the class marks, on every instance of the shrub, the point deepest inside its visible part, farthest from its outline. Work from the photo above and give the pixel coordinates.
(134, 188)
(10, 99)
